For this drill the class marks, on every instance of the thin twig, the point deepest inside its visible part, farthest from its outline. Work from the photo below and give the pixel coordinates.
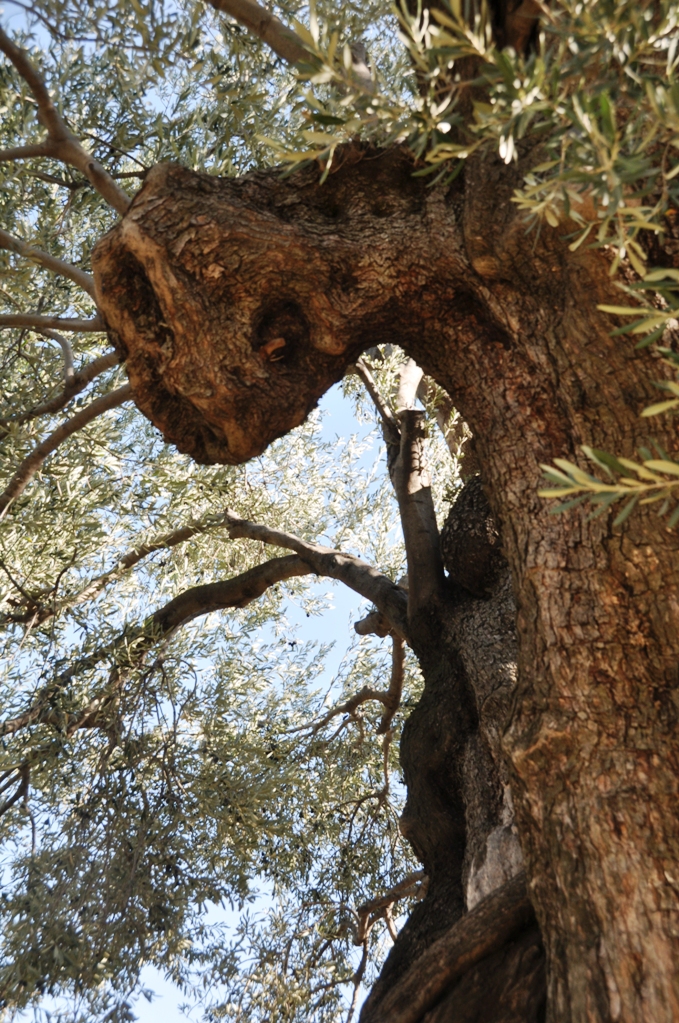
(58, 266)
(123, 565)
(387, 416)
(32, 463)
(356, 981)
(129, 650)
(62, 143)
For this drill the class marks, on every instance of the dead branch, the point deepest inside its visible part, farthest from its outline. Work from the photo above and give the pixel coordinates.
(32, 463)
(61, 143)
(92, 326)
(78, 383)
(374, 624)
(129, 650)
(368, 913)
(492, 923)
(386, 595)
(392, 700)
(58, 266)
(285, 43)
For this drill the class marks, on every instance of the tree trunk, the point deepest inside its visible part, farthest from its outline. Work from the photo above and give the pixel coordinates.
(237, 303)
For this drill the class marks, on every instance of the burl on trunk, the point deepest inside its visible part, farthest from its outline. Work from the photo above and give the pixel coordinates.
(238, 303)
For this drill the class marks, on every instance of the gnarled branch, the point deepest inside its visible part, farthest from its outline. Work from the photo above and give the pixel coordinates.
(359, 576)
(58, 266)
(494, 921)
(32, 463)
(62, 143)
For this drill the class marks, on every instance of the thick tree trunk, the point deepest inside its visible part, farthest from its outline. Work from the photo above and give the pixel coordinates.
(237, 303)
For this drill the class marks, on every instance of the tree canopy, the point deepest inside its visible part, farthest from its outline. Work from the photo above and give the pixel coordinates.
(166, 742)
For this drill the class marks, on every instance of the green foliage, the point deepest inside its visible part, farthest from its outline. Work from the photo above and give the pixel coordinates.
(197, 775)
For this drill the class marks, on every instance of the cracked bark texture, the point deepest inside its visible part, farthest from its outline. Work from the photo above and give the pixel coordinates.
(238, 302)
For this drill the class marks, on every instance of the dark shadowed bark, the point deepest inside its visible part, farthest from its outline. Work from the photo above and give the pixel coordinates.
(236, 304)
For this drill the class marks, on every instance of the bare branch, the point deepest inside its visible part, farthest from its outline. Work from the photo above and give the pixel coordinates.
(137, 554)
(285, 43)
(484, 930)
(386, 595)
(412, 485)
(69, 368)
(58, 266)
(92, 326)
(78, 383)
(392, 699)
(404, 435)
(128, 651)
(356, 981)
(62, 143)
(32, 463)
(25, 152)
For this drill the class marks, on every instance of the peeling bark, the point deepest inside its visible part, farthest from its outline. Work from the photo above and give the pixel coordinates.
(200, 284)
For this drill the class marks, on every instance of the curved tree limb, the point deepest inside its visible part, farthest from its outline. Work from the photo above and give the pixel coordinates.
(62, 143)
(32, 463)
(93, 326)
(65, 345)
(358, 575)
(494, 921)
(130, 649)
(78, 383)
(285, 43)
(58, 266)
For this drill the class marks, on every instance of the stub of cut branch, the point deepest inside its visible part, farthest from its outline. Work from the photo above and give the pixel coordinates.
(62, 144)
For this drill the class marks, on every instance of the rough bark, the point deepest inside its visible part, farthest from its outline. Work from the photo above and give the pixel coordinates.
(237, 303)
